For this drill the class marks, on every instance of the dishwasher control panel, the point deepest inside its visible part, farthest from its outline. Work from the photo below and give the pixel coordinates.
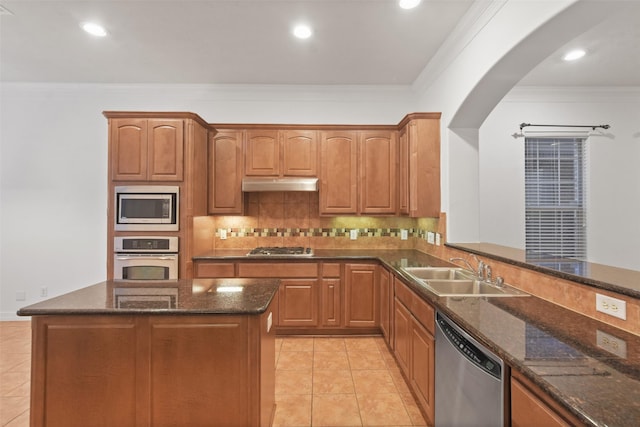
(468, 349)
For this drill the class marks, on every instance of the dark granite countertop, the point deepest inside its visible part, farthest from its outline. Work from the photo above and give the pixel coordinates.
(620, 280)
(197, 296)
(589, 367)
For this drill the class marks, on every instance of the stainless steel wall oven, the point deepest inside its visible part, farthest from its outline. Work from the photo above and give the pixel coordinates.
(145, 258)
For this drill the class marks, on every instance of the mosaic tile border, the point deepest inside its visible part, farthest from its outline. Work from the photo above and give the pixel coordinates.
(322, 232)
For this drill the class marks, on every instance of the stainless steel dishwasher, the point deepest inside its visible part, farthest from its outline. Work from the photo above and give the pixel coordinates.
(469, 379)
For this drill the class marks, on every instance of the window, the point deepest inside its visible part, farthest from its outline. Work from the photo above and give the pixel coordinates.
(555, 197)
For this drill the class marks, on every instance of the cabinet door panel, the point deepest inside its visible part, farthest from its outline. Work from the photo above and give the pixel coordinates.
(299, 153)
(378, 172)
(330, 301)
(181, 382)
(403, 185)
(338, 173)
(298, 299)
(166, 150)
(385, 303)
(262, 154)
(225, 173)
(402, 335)
(528, 410)
(361, 296)
(129, 149)
(89, 365)
(423, 367)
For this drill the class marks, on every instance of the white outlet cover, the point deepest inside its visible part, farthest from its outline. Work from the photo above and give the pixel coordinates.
(431, 237)
(353, 234)
(611, 344)
(404, 234)
(223, 234)
(611, 306)
(437, 239)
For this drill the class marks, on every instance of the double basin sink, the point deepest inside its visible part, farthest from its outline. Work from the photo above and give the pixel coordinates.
(458, 282)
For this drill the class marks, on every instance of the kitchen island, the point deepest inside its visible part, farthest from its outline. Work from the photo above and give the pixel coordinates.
(166, 353)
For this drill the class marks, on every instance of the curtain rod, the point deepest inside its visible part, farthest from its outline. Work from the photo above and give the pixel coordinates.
(593, 127)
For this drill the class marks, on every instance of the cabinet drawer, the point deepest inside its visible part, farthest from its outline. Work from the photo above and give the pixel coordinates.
(421, 310)
(331, 270)
(213, 270)
(425, 314)
(277, 269)
(403, 293)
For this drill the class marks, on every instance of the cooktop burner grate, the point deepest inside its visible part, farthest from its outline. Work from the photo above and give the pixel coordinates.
(281, 251)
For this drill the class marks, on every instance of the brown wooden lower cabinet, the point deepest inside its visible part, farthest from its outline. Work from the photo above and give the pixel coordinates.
(386, 303)
(213, 370)
(361, 296)
(531, 407)
(330, 306)
(414, 345)
(298, 302)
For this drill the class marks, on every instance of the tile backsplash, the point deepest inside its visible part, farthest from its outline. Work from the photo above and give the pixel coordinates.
(293, 219)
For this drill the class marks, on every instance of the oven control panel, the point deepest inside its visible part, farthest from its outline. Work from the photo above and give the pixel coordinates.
(146, 244)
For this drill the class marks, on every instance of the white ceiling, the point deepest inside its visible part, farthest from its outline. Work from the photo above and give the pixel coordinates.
(355, 42)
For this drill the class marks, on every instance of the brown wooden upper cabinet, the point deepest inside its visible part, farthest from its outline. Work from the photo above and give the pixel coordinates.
(419, 186)
(338, 173)
(147, 149)
(225, 172)
(378, 172)
(281, 153)
(358, 172)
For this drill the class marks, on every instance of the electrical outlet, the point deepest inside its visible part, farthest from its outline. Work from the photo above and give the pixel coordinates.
(611, 344)
(44, 291)
(223, 234)
(611, 306)
(21, 296)
(438, 239)
(431, 237)
(353, 234)
(404, 234)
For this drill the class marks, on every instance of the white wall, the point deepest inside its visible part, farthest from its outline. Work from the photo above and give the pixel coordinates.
(53, 148)
(613, 229)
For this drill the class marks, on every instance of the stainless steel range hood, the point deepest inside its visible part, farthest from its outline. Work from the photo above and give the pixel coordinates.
(253, 184)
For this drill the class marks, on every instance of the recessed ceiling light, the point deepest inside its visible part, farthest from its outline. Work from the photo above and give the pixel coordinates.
(408, 4)
(94, 29)
(302, 31)
(574, 54)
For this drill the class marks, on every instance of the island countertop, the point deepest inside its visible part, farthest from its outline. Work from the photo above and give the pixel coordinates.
(179, 297)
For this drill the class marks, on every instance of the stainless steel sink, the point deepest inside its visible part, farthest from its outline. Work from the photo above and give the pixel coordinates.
(439, 273)
(471, 288)
(457, 282)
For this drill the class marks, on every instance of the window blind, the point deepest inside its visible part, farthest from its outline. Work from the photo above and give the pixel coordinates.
(555, 197)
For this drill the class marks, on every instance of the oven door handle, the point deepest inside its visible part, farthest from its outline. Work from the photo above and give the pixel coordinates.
(150, 257)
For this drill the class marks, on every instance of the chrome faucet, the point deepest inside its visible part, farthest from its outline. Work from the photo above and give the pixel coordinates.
(482, 271)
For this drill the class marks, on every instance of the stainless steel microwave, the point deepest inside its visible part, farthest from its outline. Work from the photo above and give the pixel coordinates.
(147, 208)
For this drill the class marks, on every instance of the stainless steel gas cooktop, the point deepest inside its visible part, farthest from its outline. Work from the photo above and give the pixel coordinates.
(281, 251)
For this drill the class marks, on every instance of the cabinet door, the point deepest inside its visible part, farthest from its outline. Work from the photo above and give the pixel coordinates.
(262, 153)
(424, 168)
(180, 379)
(330, 302)
(86, 363)
(403, 185)
(378, 172)
(529, 410)
(166, 149)
(299, 153)
(338, 173)
(402, 335)
(385, 304)
(361, 296)
(129, 149)
(225, 173)
(422, 376)
(298, 302)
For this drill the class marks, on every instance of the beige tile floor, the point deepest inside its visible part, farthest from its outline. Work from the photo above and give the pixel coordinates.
(319, 382)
